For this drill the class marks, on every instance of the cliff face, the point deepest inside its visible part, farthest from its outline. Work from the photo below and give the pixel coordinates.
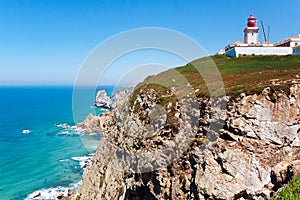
(251, 150)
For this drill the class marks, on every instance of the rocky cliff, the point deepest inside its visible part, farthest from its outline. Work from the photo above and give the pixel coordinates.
(160, 147)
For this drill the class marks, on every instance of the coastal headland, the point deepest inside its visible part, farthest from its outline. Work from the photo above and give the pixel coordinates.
(246, 148)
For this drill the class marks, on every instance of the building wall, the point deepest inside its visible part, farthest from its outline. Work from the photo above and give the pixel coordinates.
(251, 35)
(251, 38)
(294, 43)
(240, 51)
(231, 53)
(291, 42)
(296, 50)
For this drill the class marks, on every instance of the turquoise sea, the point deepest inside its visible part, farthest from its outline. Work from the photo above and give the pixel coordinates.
(41, 158)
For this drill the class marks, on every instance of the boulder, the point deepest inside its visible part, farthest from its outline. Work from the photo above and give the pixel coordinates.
(70, 192)
(60, 196)
(37, 195)
(102, 100)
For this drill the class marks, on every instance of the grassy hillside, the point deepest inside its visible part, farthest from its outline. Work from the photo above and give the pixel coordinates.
(251, 74)
(245, 74)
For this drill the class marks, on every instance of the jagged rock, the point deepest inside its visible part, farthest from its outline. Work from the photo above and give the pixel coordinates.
(37, 195)
(230, 174)
(284, 172)
(120, 95)
(102, 100)
(275, 122)
(70, 192)
(94, 123)
(60, 196)
(249, 156)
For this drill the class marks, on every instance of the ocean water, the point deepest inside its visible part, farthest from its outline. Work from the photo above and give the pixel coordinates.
(41, 158)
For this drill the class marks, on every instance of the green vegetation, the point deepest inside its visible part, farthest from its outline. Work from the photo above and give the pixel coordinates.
(120, 192)
(182, 178)
(160, 90)
(101, 180)
(198, 141)
(291, 191)
(245, 74)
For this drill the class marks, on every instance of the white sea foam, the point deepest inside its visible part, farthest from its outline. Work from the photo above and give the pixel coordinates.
(69, 130)
(26, 131)
(51, 193)
(64, 132)
(64, 125)
(84, 161)
(64, 160)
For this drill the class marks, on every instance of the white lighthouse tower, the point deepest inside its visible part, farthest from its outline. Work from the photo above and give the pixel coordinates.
(251, 32)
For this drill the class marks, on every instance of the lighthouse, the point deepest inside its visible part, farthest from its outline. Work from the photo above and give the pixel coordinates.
(251, 32)
(251, 47)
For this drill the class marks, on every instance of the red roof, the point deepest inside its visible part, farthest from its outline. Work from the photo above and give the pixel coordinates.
(251, 17)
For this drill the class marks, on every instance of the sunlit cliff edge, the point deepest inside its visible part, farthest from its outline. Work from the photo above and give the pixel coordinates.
(242, 144)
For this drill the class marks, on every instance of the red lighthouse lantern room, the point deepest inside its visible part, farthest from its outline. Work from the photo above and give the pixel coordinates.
(251, 21)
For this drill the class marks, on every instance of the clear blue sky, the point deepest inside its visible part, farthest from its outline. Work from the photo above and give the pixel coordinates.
(44, 42)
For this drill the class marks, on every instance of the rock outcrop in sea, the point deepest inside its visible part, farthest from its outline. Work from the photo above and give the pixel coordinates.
(248, 151)
(102, 100)
(94, 123)
(97, 123)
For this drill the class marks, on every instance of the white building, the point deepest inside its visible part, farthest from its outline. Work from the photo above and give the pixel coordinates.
(251, 45)
(289, 42)
(258, 50)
